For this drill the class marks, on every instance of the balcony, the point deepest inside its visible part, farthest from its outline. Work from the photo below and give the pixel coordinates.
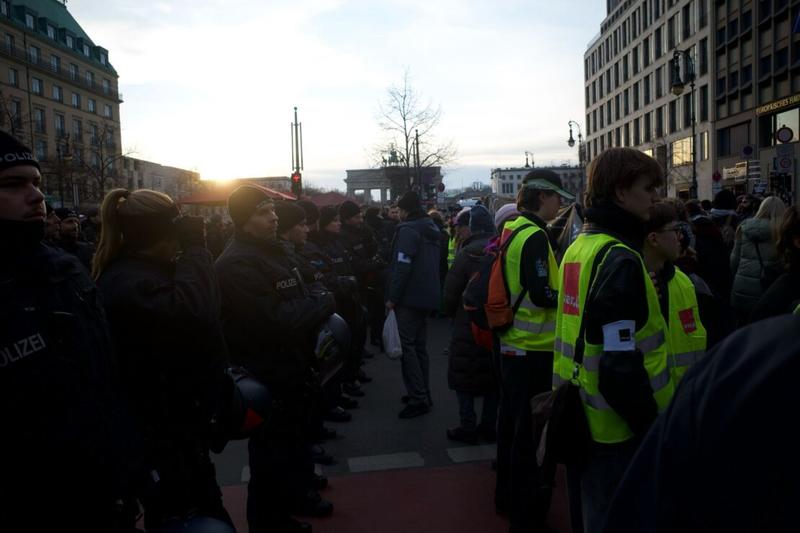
(40, 64)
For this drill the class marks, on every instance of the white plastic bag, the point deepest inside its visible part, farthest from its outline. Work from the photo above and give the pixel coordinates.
(391, 337)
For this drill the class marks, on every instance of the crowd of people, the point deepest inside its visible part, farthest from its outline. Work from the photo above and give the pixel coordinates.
(138, 340)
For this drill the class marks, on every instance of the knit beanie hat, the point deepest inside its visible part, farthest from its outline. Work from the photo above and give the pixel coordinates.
(289, 215)
(462, 218)
(504, 214)
(13, 153)
(348, 210)
(65, 213)
(312, 211)
(410, 202)
(245, 201)
(480, 220)
(326, 215)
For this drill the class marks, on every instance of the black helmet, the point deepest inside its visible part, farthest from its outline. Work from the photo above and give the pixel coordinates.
(333, 339)
(333, 344)
(251, 406)
(197, 524)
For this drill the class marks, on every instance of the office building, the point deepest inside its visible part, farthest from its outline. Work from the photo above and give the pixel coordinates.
(59, 94)
(628, 78)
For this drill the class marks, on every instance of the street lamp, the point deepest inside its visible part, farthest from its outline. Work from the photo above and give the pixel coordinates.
(571, 143)
(677, 85)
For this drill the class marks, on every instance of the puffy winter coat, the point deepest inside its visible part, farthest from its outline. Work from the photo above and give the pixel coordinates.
(470, 366)
(747, 289)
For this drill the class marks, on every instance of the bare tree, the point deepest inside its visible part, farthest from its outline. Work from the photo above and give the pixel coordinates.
(100, 166)
(11, 117)
(410, 122)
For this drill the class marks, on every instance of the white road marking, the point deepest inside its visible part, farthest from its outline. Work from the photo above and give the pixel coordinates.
(390, 461)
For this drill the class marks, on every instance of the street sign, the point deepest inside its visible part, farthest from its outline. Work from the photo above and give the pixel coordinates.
(747, 151)
(760, 187)
(784, 134)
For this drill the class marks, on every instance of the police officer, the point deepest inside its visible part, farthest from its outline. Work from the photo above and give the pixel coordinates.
(370, 269)
(616, 322)
(526, 347)
(164, 311)
(686, 334)
(68, 450)
(69, 232)
(270, 321)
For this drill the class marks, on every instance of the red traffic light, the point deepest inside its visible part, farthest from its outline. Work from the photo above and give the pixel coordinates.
(296, 177)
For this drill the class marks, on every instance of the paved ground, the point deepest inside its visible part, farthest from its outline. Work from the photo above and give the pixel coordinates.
(397, 475)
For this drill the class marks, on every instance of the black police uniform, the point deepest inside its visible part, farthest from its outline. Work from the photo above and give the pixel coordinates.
(68, 448)
(165, 318)
(270, 323)
(362, 253)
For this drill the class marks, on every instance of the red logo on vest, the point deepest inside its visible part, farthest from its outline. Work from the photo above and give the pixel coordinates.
(572, 280)
(687, 320)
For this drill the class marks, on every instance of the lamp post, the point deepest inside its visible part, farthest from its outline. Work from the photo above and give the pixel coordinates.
(677, 86)
(571, 143)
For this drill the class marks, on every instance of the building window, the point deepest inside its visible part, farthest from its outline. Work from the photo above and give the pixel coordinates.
(703, 56)
(86, 50)
(16, 112)
(733, 80)
(39, 120)
(13, 77)
(673, 116)
(625, 107)
(681, 152)
(646, 89)
(77, 130)
(107, 111)
(36, 86)
(41, 150)
(637, 139)
(704, 103)
(659, 85)
(687, 109)
(635, 59)
(671, 33)
(51, 31)
(55, 63)
(765, 66)
(648, 125)
(658, 43)
(58, 120)
(733, 29)
(646, 52)
(703, 148)
(90, 78)
(703, 13)
(721, 35)
(93, 135)
(747, 20)
(9, 42)
(732, 139)
(29, 21)
(636, 96)
(33, 54)
(4, 8)
(106, 86)
(58, 94)
(103, 58)
(92, 105)
(76, 100)
(73, 71)
(781, 59)
(70, 42)
(721, 85)
(659, 122)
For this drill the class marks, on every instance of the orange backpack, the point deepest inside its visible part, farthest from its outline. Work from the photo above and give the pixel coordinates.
(498, 307)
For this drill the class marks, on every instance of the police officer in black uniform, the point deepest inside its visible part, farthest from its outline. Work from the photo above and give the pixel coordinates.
(163, 302)
(363, 253)
(270, 319)
(68, 446)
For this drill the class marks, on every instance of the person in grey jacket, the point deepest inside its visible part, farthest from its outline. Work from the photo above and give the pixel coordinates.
(755, 246)
(413, 292)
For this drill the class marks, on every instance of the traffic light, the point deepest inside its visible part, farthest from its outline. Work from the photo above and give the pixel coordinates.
(297, 184)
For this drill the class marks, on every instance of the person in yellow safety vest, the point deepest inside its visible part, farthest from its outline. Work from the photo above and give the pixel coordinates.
(459, 233)
(451, 250)
(526, 348)
(617, 323)
(686, 334)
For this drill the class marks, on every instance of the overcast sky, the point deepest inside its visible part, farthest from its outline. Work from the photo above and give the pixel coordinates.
(210, 84)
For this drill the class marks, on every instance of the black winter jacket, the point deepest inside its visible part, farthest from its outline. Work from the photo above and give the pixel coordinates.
(469, 366)
(165, 320)
(68, 445)
(782, 297)
(414, 270)
(362, 253)
(269, 317)
(619, 294)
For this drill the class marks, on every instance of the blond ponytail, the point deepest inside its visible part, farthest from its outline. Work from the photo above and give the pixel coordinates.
(121, 202)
